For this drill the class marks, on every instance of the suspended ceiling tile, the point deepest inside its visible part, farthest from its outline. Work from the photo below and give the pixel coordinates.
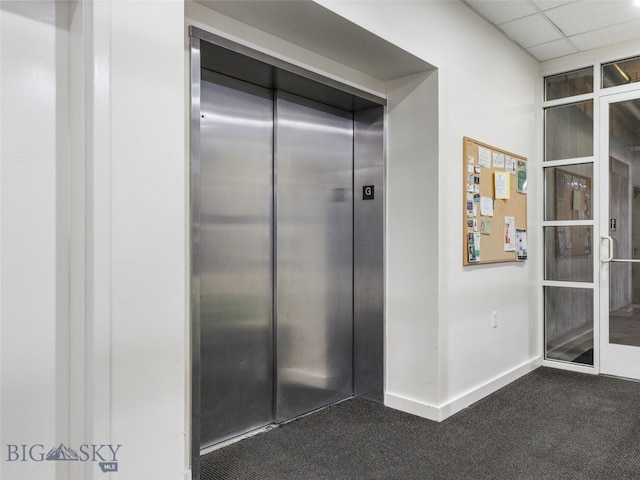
(547, 51)
(501, 11)
(607, 36)
(547, 4)
(580, 17)
(531, 30)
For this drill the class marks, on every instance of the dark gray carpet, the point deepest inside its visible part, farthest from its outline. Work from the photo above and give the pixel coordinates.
(550, 424)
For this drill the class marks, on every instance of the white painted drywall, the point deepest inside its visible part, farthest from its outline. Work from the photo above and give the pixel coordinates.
(34, 372)
(412, 350)
(148, 232)
(214, 22)
(487, 91)
(93, 206)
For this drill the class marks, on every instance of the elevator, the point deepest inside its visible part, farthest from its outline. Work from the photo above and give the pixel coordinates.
(286, 241)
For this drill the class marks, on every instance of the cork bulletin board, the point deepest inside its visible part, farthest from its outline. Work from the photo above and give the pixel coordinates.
(494, 204)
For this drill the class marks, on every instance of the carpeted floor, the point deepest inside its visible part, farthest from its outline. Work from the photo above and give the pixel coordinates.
(550, 424)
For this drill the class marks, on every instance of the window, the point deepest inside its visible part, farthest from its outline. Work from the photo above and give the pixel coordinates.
(577, 82)
(621, 72)
(568, 224)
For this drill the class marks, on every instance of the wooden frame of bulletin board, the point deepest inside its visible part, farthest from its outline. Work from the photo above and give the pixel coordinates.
(494, 204)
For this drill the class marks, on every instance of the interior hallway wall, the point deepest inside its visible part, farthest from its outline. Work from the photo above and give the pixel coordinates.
(93, 237)
(149, 264)
(33, 232)
(487, 90)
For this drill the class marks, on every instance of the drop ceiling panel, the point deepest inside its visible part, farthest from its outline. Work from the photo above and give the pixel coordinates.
(547, 4)
(557, 48)
(601, 38)
(501, 11)
(553, 28)
(580, 17)
(531, 30)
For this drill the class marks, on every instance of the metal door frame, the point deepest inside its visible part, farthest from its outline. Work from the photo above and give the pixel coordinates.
(194, 244)
(614, 359)
(370, 111)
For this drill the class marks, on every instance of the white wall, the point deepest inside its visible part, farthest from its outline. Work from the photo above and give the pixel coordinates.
(33, 287)
(227, 27)
(412, 351)
(148, 219)
(93, 313)
(486, 90)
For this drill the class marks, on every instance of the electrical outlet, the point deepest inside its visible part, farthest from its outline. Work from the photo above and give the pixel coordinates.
(494, 319)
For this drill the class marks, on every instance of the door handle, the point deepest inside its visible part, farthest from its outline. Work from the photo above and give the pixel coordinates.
(610, 240)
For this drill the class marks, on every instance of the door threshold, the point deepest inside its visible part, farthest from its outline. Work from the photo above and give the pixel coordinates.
(617, 377)
(315, 410)
(266, 428)
(232, 440)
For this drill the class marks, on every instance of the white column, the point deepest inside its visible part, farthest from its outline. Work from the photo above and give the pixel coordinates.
(34, 373)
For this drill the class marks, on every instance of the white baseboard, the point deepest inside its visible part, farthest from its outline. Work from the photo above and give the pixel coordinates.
(412, 406)
(439, 413)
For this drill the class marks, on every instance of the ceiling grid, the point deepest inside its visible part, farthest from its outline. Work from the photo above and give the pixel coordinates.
(553, 28)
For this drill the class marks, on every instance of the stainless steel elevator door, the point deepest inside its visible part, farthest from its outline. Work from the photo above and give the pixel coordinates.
(235, 264)
(314, 255)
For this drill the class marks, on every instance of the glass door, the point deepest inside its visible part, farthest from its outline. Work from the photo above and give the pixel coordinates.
(620, 254)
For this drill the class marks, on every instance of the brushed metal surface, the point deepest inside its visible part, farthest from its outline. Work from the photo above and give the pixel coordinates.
(314, 255)
(368, 241)
(194, 146)
(225, 56)
(235, 251)
(327, 335)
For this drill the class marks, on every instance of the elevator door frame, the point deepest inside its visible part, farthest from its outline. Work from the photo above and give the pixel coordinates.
(223, 56)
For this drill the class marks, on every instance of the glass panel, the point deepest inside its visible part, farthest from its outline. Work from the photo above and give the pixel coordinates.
(624, 304)
(568, 192)
(567, 84)
(568, 316)
(621, 72)
(568, 254)
(624, 222)
(569, 131)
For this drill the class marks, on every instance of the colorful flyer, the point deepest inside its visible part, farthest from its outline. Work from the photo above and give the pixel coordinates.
(521, 244)
(522, 176)
(473, 246)
(485, 226)
(502, 185)
(509, 234)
